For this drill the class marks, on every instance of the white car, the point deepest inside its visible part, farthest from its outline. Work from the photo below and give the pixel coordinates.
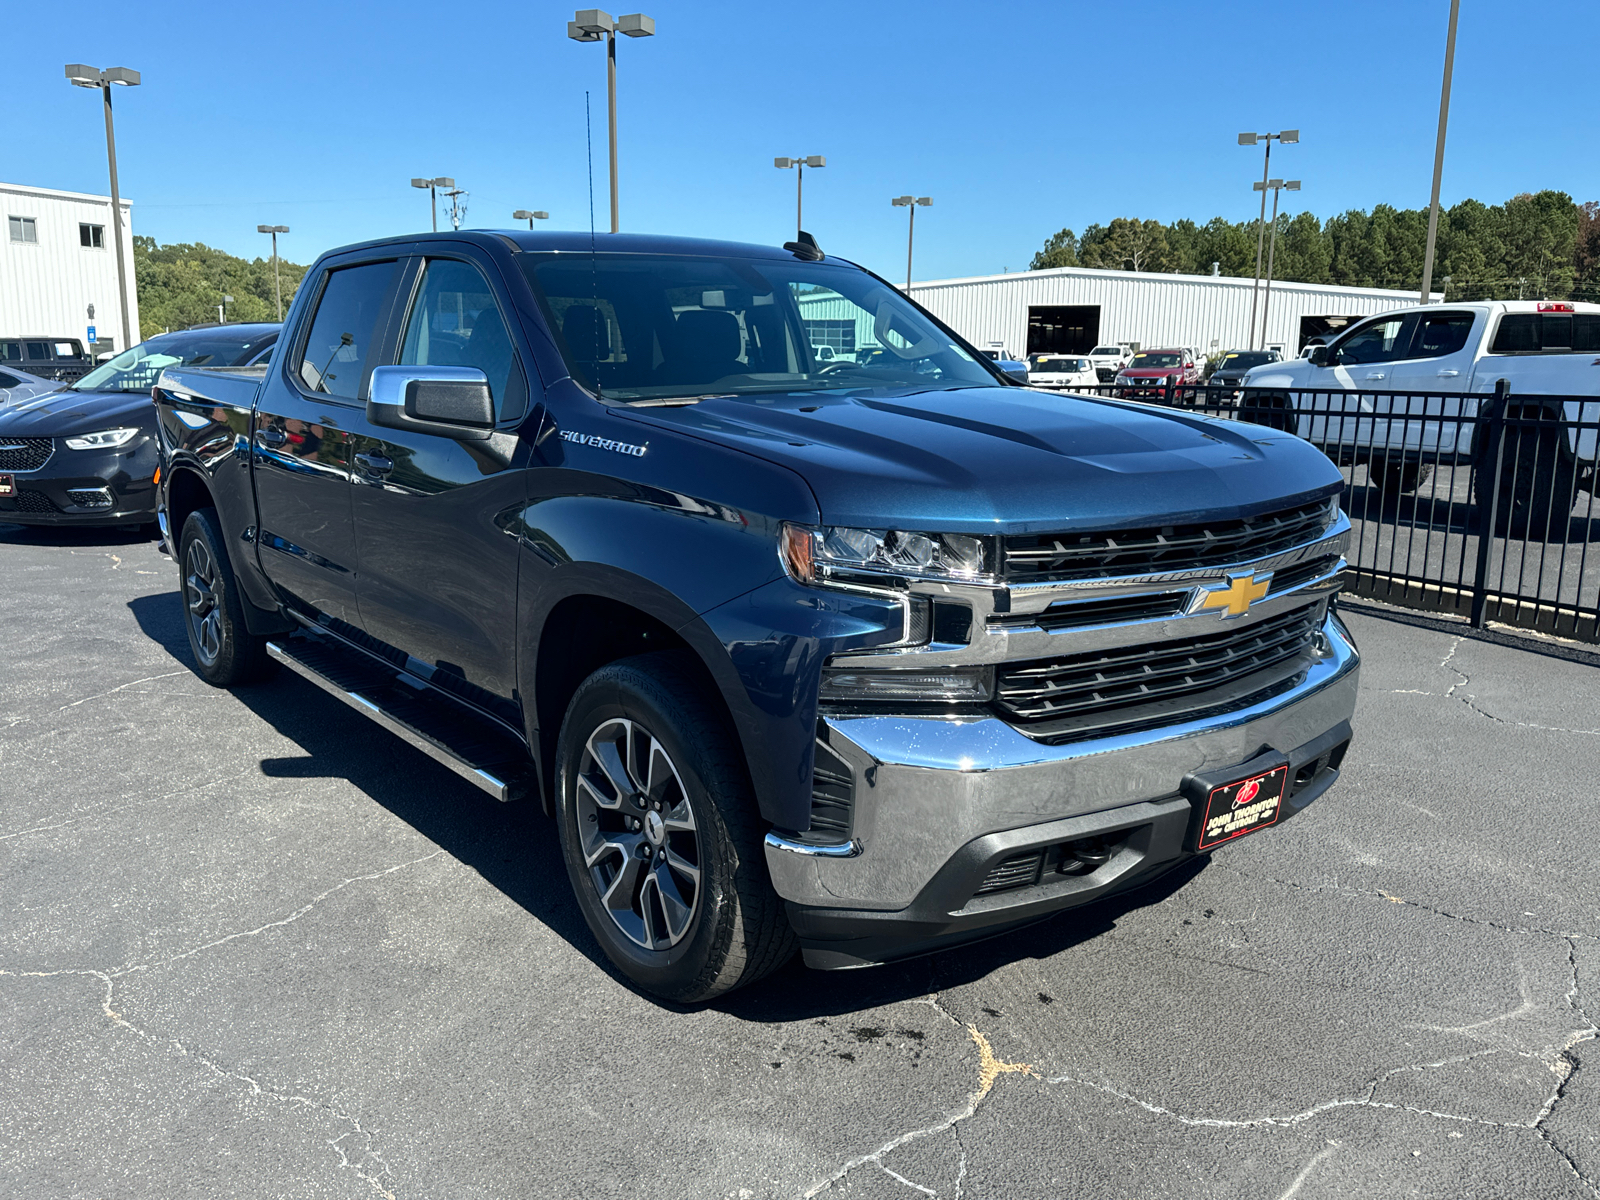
(1404, 390)
(1109, 358)
(1061, 372)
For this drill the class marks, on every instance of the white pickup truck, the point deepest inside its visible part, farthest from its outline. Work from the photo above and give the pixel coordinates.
(1400, 393)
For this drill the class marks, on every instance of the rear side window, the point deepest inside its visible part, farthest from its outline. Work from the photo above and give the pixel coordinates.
(1531, 333)
(38, 351)
(10, 351)
(1441, 334)
(8, 381)
(342, 330)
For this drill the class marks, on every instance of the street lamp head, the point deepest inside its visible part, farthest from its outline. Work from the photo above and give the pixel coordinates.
(422, 183)
(1258, 186)
(783, 164)
(924, 200)
(591, 21)
(815, 160)
(636, 25)
(901, 201)
(272, 229)
(444, 182)
(580, 35)
(540, 215)
(123, 75)
(1293, 185)
(522, 214)
(1289, 137)
(83, 76)
(1274, 183)
(1247, 139)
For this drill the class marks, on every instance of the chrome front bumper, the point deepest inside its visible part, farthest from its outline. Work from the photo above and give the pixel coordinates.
(925, 787)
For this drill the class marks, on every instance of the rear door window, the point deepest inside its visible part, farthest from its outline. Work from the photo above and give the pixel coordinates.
(10, 351)
(335, 352)
(1441, 334)
(38, 351)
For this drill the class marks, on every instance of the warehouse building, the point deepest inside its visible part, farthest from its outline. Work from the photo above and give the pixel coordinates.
(1071, 310)
(56, 259)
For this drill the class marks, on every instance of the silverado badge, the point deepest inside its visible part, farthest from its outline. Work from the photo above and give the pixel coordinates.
(1235, 597)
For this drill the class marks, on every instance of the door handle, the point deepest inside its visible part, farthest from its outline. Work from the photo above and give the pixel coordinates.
(375, 464)
(1376, 375)
(271, 439)
(1448, 374)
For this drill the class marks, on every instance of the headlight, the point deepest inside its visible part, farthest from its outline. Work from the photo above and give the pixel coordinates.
(972, 684)
(813, 555)
(104, 440)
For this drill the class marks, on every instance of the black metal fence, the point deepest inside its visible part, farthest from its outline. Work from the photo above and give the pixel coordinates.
(1477, 504)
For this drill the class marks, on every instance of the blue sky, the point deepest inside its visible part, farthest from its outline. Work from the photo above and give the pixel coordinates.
(1016, 118)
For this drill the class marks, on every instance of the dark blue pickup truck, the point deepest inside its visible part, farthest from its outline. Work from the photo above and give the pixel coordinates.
(806, 625)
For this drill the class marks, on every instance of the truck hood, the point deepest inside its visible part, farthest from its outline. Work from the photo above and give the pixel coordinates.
(67, 413)
(1008, 460)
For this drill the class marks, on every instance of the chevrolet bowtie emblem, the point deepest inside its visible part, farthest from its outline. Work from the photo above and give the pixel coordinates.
(1234, 597)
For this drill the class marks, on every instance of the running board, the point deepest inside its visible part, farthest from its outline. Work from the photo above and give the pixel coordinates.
(412, 710)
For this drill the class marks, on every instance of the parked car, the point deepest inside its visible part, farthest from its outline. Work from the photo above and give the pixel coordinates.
(16, 386)
(1151, 373)
(1110, 358)
(1234, 363)
(790, 651)
(1013, 366)
(1389, 373)
(86, 454)
(1059, 371)
(60, 359)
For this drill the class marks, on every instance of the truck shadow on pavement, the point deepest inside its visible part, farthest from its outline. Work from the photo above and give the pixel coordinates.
(75, 535)
(514, 848)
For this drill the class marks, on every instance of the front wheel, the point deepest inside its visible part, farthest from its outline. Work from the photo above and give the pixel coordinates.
(225, 652)
(660, 833)
(1269, 409)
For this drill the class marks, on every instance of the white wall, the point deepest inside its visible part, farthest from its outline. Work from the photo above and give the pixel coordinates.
(1153, 310)
(45, 289)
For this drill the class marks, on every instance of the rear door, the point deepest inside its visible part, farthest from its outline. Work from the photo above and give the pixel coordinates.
(434, 517)
(301, 441)
(1443, 345)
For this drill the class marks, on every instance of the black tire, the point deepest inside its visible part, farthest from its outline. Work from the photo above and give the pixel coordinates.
(736, 930)
(1269, 409)
(1399, 478)
(225, 652)
(1538, 480)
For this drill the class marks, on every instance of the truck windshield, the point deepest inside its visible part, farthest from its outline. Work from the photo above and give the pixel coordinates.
(137, 368)
(1044, 362)
(1143, 361)
(641, 327)
(1238, 360)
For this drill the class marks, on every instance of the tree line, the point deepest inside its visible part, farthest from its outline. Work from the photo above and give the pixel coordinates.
(1539, 245)
(181, 285)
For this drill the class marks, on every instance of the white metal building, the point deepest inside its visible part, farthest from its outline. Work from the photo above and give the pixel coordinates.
(1072, 309)
(56, 259)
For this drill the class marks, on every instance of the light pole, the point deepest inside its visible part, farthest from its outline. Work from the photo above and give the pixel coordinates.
(433, 186)
(1275, 186)
(458, 206)
(277, 288)
(910, 203)
(590, 25)
(1288, 137)
(523, 214)
(1438, 150)
(83, 76)
(800, 165)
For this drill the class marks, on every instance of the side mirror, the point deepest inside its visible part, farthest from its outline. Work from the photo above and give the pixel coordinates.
(452, 402)
(1319, 356)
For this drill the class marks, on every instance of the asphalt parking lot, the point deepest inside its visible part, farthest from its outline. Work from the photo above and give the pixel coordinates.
(254, 946)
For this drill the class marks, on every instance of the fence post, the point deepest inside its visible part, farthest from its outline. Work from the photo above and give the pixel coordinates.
(1496, 427)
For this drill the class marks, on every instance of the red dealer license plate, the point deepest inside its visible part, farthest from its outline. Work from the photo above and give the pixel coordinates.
(1235, 809)
(8, 486)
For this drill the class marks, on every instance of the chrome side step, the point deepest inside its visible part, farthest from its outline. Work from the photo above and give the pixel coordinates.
(413, 711)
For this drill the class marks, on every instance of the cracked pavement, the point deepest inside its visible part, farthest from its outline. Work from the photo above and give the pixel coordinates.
(257, 947)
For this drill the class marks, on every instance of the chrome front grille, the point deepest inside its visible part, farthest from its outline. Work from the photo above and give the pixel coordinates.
(1043, 558)
(25, 454)
(1104, 683)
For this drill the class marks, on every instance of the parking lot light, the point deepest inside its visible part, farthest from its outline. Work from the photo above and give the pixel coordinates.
(592, 25)
(1438, 153)
(1274, 186)
(799, 165)
(1288, 137)
(522, 214)
(277, 287)
(911, 204)
(81, 75)
(433, 186)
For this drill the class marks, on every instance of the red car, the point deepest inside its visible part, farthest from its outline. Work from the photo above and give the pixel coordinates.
(1150, 372)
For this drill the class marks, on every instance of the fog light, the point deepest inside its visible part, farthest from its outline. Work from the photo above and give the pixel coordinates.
(967, 684)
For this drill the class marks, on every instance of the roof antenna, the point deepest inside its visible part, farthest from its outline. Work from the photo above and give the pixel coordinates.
(805, 247)
(594, 270)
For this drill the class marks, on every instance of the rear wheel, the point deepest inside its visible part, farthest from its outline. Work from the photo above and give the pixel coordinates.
(225, 651)
(661, 836)
(1538, 479)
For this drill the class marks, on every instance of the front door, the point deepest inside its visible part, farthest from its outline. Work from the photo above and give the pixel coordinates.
(435, 518)
(1359, 362)
(302, 445)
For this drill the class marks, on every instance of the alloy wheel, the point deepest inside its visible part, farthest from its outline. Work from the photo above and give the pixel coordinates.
(200, 597)
(637, 829)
